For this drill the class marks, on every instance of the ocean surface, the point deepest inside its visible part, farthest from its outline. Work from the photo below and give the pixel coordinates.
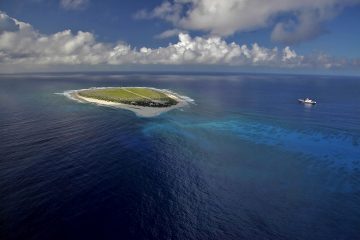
(244, 160)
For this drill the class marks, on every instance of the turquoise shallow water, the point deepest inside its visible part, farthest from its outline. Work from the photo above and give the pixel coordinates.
(244, 161)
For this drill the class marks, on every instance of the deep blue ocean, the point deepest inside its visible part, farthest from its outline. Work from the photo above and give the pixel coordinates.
(245, 160)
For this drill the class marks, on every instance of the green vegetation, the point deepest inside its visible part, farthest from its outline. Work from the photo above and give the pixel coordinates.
(133, 96)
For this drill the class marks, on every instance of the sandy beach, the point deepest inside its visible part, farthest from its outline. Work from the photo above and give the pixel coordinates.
(138, 110)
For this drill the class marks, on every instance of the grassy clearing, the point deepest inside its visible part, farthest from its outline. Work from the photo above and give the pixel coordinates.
(133, 96)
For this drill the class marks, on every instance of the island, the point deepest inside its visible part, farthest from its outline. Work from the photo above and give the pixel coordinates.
(143, 101)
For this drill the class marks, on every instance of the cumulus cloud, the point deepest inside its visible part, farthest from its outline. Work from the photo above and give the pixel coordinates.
(29, 46)
(304, 18)
(169, 33)
(307, 25)
(26, 46)
(7, 23)
(73, 4)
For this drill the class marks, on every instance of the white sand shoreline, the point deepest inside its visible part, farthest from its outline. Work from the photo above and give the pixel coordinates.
(140, 111)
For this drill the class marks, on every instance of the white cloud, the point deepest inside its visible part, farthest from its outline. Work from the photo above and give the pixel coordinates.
(7, 23)
(308, 26)
(74, 4)
(167, 11)
(26, 46)
(226, 17)
(169, 33)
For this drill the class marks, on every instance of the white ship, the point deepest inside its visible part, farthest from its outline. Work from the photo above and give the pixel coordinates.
(307, 101)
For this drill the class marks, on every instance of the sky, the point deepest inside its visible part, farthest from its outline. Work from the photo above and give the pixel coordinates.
(289, 36)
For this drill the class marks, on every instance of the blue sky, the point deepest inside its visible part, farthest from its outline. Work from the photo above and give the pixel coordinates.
(319, 35)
